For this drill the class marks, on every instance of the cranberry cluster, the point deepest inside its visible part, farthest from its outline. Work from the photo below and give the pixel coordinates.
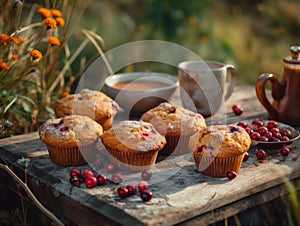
(266, 132)
(88, 177)
(91, 180)
(143, 187)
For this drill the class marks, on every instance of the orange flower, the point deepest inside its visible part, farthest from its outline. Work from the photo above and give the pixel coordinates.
(15, 40)
(53, 41)
(4, 38)
(14, 57)
(35, 54)
(44, 12)
(56, 12)
(50, 23)
(60, 21)
(65, 94)
(4, 66)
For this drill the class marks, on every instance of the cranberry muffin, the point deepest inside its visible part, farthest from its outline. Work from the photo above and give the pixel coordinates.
(218, 149)
(133, 145)
(94, 104)
(71, 139)
(177, 124)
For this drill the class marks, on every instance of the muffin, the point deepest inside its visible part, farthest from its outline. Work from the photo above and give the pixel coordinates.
(71, 140)
(218, 149)
(133, 145)
(177, 124)
(91, 103)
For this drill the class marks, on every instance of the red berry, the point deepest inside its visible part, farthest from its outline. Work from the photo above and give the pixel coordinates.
(277, 135)
(249, 129)
(272, 124)
(264, 139)
(237, 110)
(274, 130)
(110, 168)
(235, 106)
(246, 156)
(261, 154)
(231, 174)
(117, 178)
(258, 123)
(274, 139)
(146, 195)
(75, 172)
(146, 174)
(90, 181)
(262, 130)
(255, 136)
(285, 151)
(268, 135)
(75, 180)
(101, 179)
(242, 124)
(285, 138)
(87, 173)
(131, 189)
(143, 185)
(285, 132)
(122, 192)
(257, 120)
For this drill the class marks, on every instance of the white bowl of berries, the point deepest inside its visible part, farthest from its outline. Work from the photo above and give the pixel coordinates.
(269, 133)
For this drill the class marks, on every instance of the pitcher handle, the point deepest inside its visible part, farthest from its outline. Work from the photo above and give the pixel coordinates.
(277, 91)
(230, 88)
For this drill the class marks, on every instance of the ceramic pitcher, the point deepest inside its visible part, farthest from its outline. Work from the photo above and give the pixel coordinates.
(285, 106)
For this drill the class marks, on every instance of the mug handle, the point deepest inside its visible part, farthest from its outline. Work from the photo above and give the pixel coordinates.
(277, 89)
(230, 88)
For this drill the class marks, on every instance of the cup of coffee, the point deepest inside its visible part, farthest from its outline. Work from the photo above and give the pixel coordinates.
(205, 85)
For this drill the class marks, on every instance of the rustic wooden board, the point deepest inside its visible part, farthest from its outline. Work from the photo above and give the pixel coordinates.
(185, 196)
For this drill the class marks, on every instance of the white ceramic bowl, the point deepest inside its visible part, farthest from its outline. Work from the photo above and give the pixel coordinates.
(141, 91)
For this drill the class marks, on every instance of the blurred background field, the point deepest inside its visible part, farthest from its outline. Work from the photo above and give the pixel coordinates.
(252, 35)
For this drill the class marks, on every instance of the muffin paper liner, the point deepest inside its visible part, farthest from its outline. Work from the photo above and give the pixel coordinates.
(130, 161)
(176, 146)
(71, 156)
(217, 167)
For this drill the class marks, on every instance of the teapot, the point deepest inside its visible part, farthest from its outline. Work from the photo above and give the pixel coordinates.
(285, 93)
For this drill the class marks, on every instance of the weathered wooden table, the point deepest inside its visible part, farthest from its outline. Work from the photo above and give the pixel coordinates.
(183, 197)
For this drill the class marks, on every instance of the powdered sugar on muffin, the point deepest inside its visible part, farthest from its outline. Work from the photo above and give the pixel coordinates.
(91, 103)
(169, 119)
(222, 141)
(177, 124)
(133, 136)
(133, 145)
(69, 131)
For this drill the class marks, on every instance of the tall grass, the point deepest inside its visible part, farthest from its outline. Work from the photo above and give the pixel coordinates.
(36, 59)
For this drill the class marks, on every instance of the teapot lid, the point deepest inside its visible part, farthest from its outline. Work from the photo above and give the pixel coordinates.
(295, 55)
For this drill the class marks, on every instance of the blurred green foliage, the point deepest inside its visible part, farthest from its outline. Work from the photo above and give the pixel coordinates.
(252, 35)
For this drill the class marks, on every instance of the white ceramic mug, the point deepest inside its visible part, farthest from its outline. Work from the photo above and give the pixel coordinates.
(203, 85)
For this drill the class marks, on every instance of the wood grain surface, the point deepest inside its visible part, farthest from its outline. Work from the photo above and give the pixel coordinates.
(181, 194)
